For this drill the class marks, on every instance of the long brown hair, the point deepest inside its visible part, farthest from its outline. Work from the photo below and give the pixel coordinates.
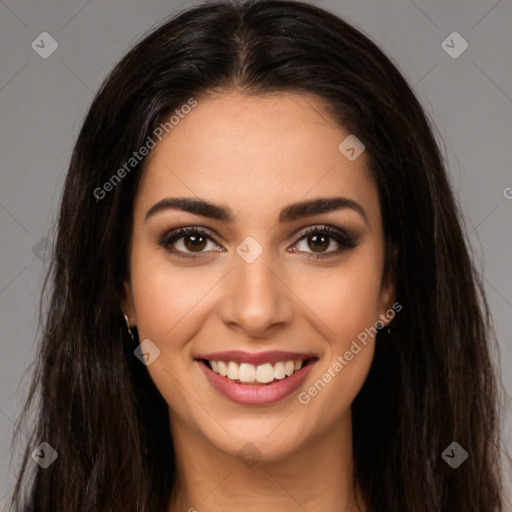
(431, 382)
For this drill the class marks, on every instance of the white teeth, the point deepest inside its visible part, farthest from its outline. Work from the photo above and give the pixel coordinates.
(223, 369)
(279, 372)
(247, 372)
(233, 371)
(263, 373)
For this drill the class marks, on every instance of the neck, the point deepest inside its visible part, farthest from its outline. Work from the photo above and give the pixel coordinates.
(316, 476)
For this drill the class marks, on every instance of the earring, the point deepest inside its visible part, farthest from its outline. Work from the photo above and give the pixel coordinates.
(128, 327)
(389, 331)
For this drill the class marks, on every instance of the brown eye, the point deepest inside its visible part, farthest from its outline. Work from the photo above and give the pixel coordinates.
(194, 242)
(318, 243)
(187, 242)
(319, 239)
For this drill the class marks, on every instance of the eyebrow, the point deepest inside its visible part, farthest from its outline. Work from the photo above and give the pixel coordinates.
(289, 213)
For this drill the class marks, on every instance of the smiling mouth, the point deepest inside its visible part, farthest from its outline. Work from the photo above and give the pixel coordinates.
(257, 375)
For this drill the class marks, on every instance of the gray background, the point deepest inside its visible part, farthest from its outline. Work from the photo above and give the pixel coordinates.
(43, 102)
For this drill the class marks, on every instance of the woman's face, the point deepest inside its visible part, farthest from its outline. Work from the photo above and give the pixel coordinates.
(249, 278)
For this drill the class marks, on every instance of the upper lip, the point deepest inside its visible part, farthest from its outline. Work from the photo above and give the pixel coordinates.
(271, 357)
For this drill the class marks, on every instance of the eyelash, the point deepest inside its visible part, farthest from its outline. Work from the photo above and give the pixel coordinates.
(345, 240)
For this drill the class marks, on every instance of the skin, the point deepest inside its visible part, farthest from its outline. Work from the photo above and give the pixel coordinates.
(257, 155)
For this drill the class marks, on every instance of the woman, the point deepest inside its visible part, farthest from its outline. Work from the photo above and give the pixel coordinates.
(262, 297)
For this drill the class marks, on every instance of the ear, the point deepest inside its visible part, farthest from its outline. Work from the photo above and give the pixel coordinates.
(127, 304)
(388, 290)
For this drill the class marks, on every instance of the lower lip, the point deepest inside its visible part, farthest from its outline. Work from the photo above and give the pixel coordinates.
(246, 394)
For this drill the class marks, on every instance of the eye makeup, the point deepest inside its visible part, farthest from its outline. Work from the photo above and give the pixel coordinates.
(198, 235)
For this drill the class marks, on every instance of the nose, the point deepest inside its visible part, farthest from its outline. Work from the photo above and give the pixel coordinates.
(256, 299)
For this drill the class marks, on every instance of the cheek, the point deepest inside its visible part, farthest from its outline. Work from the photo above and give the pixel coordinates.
(345, 299)
(347, 303)
(165, 296)
(352, 310)
(167, 303)
(352, 319)
(350, 315)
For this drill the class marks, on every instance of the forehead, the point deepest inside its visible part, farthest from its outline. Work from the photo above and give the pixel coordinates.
(255, 153)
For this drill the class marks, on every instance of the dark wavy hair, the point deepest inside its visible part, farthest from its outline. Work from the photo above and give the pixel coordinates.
(432, 381)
